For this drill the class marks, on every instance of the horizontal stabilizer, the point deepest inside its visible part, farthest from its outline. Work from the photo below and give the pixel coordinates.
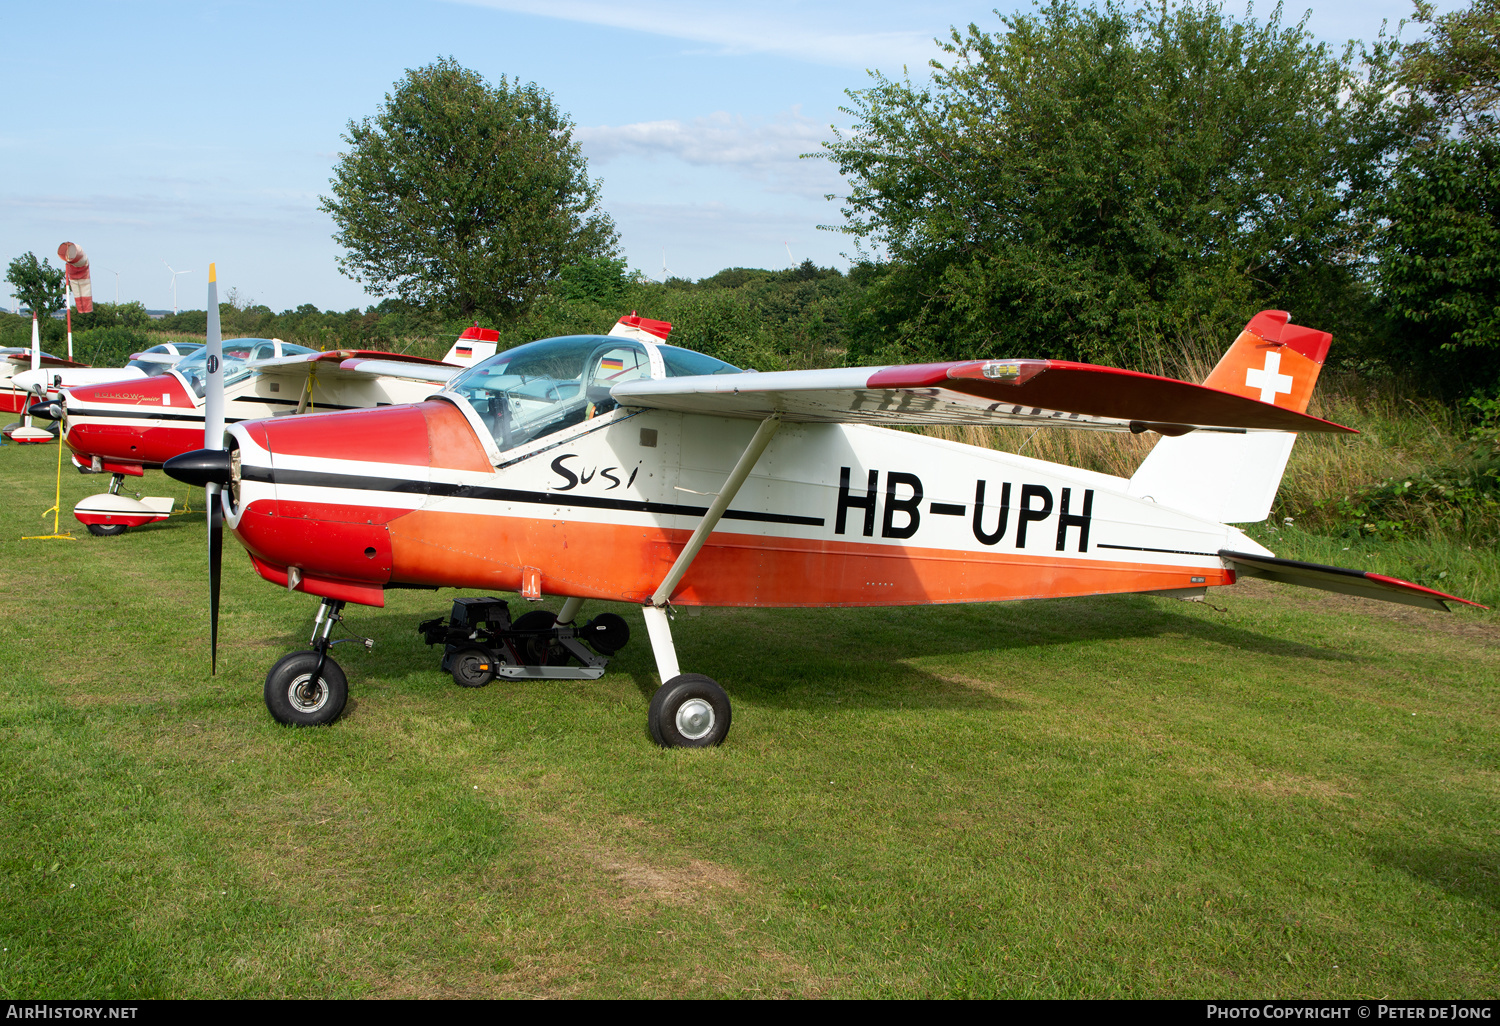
(1333, 578)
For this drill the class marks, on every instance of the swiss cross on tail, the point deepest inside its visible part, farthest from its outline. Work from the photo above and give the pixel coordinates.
(1273, 361)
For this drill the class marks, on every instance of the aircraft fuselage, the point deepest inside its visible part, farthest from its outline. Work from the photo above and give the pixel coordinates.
(832, 514)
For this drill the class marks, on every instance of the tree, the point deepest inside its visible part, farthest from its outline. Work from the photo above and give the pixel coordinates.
(464, 195)
(38, 285)
(1454, 74)
(1438, 253)
(1090, 180)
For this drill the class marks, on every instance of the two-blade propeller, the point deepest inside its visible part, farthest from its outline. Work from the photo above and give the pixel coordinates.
(210, 466)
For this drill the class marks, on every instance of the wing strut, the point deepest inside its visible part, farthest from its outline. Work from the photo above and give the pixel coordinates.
(657, 625)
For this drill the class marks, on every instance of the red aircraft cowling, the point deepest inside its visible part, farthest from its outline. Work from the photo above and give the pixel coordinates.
(341, 550)
(155, 401)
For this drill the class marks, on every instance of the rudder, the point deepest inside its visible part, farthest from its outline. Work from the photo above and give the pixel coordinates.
(1233, 478)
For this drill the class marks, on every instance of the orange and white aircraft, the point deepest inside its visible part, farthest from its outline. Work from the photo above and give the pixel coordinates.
(626, 470)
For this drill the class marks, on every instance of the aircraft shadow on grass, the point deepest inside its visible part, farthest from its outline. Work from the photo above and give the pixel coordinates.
(1464, 873)
(858, 655)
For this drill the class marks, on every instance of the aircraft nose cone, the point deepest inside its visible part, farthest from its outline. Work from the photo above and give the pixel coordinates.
(46, 411)
(200, 467)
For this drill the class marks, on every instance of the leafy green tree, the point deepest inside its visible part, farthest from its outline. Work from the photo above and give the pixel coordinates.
(1439, 267)
(1437, 257)
(37, 284)
(1454, 73)
(1096, 182)
(464, 195)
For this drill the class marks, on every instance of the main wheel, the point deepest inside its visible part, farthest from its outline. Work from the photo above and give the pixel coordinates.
(689, 711)
(539, 651)
(105, 530)
(297, 700)
(473, 666)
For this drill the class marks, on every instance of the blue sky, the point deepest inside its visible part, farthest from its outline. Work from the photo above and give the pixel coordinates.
(167, 133)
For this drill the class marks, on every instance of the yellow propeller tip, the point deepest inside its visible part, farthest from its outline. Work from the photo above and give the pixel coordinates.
(212, 276)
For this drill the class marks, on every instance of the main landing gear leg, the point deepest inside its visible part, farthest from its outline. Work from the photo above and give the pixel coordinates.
(690, 710)
(568, 611)
(307, 688)
(115, 480)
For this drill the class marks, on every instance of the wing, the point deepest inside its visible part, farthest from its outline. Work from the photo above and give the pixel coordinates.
(1022, 392)
(355, 365)
(1333, 578)
(47, 360)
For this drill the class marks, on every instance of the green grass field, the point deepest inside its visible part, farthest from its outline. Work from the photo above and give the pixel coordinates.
(1274, 793)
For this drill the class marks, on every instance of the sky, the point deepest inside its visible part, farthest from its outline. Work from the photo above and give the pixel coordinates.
(160, 136)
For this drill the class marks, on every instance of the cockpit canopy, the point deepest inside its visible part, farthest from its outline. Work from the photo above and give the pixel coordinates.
(171, 349)
(542, 387)
(238, 352)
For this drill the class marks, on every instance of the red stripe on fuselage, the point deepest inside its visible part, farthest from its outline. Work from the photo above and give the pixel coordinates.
(626, 563)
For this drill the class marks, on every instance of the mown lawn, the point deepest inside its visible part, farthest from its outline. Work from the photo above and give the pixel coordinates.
(1274, 793)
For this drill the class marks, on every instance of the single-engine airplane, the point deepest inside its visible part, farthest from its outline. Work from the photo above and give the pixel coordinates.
(124, 427)
(622, 469)
(14, 395)
(48, 383)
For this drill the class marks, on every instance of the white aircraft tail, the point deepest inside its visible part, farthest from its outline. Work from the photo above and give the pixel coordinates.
(474, 345)
(1232, 478)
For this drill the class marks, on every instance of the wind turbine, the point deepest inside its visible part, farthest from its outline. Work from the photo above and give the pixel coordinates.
(789, 261)
(117, 282)
(664, 271)
(174, 283)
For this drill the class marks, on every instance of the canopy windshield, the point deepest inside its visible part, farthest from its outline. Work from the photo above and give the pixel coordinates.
(542, 387)
(238, 352)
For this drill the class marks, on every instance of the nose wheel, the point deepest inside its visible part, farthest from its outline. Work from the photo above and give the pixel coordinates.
(308, 689)
(300, 693)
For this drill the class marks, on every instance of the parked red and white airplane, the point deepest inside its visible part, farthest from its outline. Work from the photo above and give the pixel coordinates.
(625, 470)
(123, 428)
(48, 383)
(14, 396)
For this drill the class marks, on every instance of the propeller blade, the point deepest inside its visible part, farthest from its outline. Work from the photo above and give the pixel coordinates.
(213, 439)
(215, 564)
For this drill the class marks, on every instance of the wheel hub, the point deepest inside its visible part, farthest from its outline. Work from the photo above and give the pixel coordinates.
(695, 719)
(306, 694)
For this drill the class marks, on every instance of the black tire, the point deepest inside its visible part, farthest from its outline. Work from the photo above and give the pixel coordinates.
(473, 666)
(539, 651)
(293, 700)
(105, 530)
(689, 711)
(607, 633)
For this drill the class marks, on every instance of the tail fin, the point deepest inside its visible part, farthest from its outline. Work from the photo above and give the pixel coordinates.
(474, 345)
(1233, 478)
(643, 328)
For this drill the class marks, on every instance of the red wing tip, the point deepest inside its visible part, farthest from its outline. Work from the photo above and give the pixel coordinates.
(1409, 586)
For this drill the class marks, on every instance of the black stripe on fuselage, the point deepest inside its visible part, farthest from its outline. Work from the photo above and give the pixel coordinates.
(449, 489)
(1142, 548)
(162, 414)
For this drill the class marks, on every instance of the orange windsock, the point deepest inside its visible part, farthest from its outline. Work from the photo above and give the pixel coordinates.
(77, 266)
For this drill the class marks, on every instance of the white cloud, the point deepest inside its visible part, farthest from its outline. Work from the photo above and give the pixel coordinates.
(766, 150)
(818, 35)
